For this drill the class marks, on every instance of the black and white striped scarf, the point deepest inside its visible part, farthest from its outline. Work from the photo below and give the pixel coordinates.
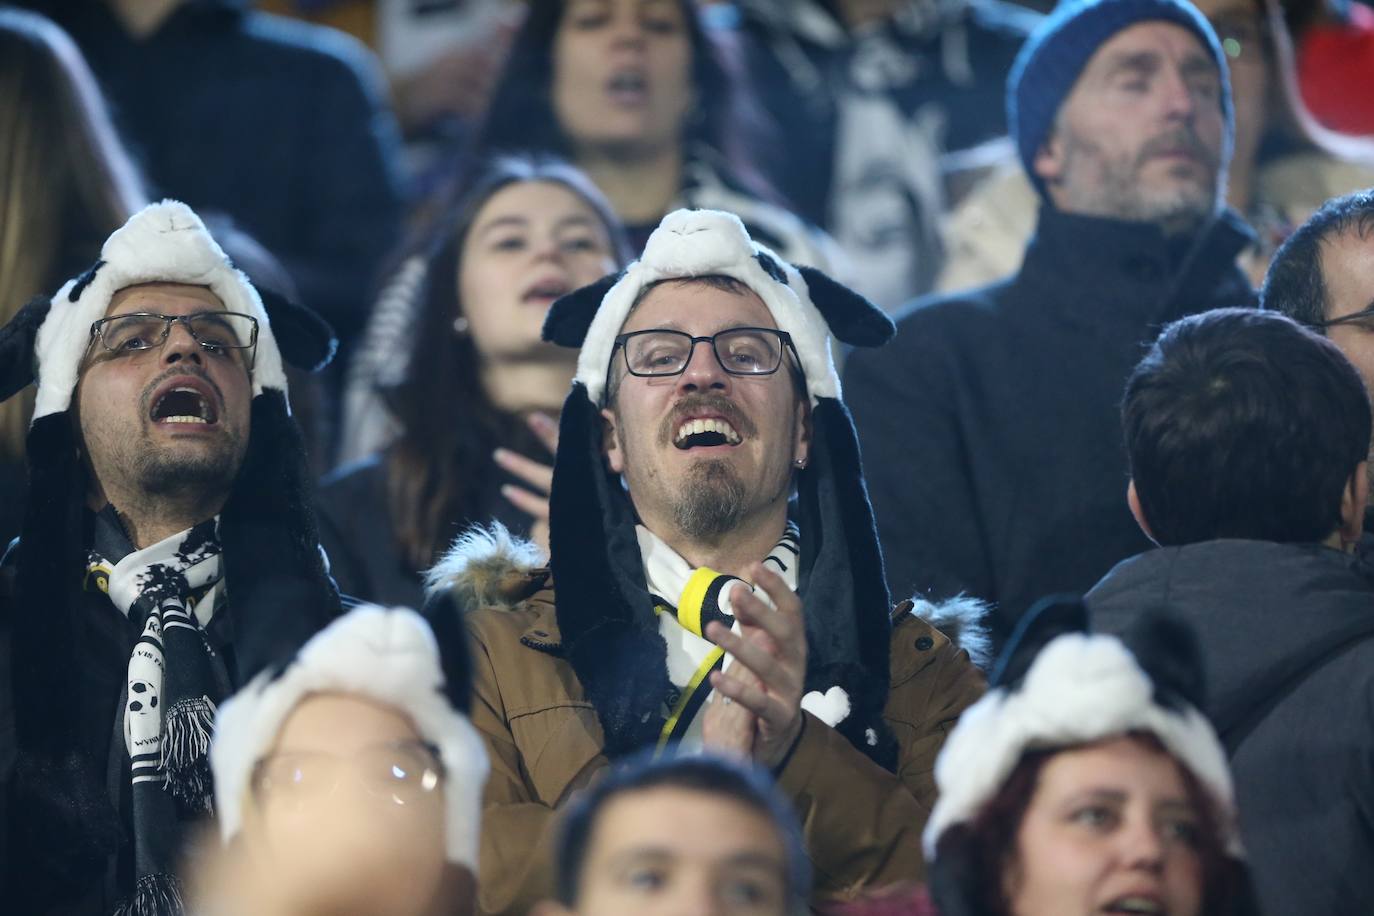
(169, 591)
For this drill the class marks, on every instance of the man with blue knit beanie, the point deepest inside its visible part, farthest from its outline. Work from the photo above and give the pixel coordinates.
(991, 424)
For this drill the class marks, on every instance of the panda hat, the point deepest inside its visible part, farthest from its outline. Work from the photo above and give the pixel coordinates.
(390, 656)
(1059, 686)
(272, 565)
(605, 612)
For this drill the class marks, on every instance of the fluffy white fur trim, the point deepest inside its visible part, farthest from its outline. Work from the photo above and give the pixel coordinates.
(489, 548)
(385, 654)
(1080, 689)
(163, 243)
(695, 243)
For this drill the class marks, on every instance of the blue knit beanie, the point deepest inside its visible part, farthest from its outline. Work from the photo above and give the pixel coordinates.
(1056, 53)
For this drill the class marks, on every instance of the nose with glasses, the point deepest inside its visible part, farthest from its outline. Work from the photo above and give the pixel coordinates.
(660, 352)
(216, 332)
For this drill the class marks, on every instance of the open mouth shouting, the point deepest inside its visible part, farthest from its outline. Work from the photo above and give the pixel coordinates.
(184, 400)
(705, 432)
(706, 421)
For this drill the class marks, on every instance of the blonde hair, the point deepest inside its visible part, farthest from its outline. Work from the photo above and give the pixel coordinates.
(66, 181)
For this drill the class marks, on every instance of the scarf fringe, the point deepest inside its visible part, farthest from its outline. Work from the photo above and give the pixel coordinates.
(154, 895)
(189, 726)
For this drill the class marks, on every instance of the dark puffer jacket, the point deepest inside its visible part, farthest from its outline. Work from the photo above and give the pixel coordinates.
(1287, 634)
(991, 425)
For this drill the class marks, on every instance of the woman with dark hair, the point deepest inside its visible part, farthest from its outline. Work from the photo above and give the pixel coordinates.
(65, 184)
(1084, 781)
(641, 97)
(467, 388)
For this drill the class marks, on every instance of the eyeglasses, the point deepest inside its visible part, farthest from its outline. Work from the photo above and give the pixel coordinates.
(1364, 317)
(214, 331)
(404, 773)
(656, 353)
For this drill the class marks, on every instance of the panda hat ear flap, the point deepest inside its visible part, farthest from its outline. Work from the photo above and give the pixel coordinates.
(852, 319)
(571, 315)
(455, 658)
(17, 347)
(1047, 620)
(1167, 650)
(304, 338)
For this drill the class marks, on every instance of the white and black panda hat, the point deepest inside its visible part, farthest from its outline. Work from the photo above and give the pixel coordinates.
(389, 656)
(1057, 685)
(273, 567)
(605, 612)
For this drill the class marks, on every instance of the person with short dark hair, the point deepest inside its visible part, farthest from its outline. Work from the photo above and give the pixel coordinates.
(992, 423)
(702, 832)
(1323, 277)
(1248, 437)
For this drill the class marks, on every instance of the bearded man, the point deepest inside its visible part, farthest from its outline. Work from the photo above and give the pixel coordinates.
(689, 611)
(992, 422)
(168, 553)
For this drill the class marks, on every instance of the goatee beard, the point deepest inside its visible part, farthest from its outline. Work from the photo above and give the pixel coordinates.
(711, 501)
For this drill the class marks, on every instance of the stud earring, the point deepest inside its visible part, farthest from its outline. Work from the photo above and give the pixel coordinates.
(800, 463)
(460, 325)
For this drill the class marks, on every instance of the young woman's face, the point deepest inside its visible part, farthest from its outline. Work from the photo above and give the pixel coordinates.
(622, 75)
(530, 243)
(1110, 829)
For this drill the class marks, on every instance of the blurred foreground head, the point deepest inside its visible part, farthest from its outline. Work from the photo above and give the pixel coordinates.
(351, 780)
(696, 836)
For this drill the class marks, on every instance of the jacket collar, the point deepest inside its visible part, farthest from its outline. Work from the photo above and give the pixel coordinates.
(1097, 271)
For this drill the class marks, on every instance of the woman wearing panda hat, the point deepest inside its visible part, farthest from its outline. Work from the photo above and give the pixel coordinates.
(168, 553)
(1086, 781)
(706, 467)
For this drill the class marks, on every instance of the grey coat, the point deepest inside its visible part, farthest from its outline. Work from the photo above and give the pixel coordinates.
(1287, 633)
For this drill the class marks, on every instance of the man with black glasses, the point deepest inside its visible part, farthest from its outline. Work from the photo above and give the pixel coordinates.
(1323, 277)
(167, 554)
(697, 603)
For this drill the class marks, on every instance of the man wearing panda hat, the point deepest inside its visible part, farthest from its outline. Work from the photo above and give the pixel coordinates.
(697, 603)
(168, 552)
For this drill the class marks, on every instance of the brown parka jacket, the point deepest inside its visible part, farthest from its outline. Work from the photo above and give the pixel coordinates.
(861, 824)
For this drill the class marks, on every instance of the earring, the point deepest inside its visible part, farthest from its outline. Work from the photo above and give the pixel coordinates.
(800, 463)
(460, 325)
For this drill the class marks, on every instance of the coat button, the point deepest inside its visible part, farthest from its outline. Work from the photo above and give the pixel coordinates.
(924, 643)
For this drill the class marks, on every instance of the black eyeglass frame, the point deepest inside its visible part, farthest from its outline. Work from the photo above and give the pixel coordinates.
(1363, 316)
(783, 337)
(97, 332)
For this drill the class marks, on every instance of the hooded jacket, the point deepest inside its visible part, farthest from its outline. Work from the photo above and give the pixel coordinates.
(1287, 636)
(862, 824)
(991, 424)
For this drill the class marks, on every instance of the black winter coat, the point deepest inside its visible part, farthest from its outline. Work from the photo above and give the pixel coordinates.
(991, 425)
(1287, 634)
(359, 537)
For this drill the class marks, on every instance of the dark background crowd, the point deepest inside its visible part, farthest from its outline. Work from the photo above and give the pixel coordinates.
(429, 177)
